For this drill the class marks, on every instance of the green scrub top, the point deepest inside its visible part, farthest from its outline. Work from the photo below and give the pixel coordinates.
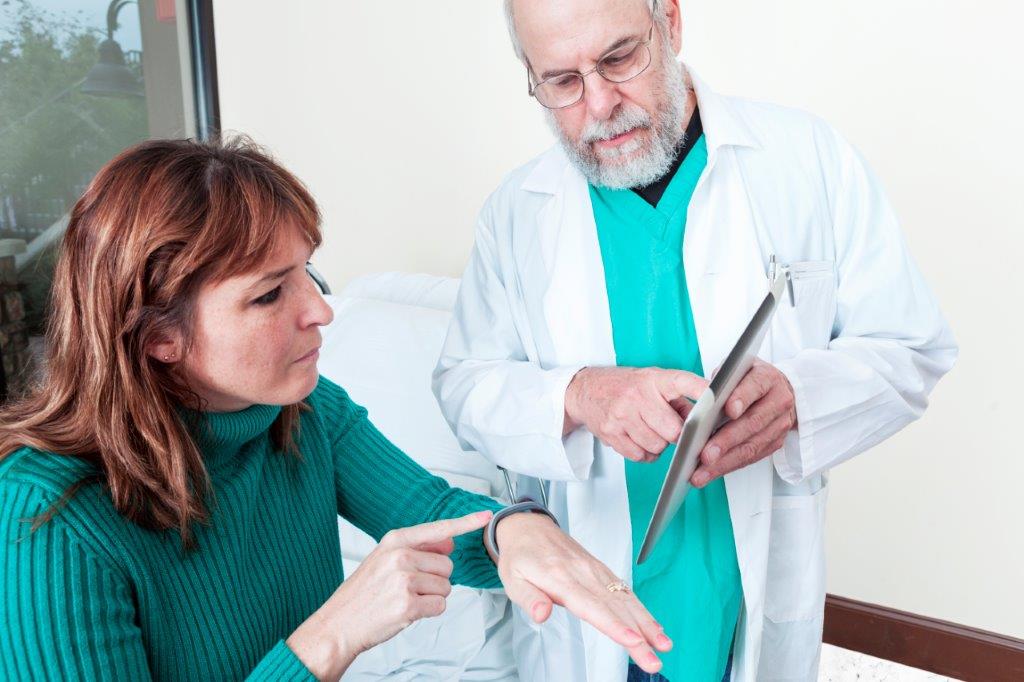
(691, 582)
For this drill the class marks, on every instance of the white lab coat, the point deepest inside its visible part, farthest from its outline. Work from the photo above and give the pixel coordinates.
(863, 346)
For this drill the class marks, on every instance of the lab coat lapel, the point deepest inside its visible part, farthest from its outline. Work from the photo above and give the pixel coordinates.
(727, 282)
(576, 301)
(726, 275)
(725, 264)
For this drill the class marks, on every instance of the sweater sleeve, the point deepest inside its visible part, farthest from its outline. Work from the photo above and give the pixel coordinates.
(380, 488)
(280, 664)
(68, 613)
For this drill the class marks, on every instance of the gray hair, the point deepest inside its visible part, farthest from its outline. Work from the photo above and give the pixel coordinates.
(510, 19)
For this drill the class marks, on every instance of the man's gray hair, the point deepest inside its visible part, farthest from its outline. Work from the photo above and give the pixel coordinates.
(510, 19)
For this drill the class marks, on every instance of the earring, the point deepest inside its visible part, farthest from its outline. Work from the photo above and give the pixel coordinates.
(167, 358)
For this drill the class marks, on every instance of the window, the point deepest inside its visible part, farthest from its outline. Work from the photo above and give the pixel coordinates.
(80, 80)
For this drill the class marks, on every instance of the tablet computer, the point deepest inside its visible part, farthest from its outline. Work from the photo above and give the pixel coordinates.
(707, 415)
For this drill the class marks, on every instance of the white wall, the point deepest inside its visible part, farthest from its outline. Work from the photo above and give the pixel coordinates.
(931, 92)
(403, 116)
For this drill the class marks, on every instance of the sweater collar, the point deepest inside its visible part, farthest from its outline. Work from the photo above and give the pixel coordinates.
(221, 434)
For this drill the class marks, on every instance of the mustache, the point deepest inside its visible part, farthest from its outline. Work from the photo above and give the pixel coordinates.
(623, 121)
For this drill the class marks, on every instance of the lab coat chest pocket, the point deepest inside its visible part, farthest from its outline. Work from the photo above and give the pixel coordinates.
(796, 560)
(806, 320)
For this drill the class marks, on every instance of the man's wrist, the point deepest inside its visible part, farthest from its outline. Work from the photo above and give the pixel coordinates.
(570, 423)
(792, 408)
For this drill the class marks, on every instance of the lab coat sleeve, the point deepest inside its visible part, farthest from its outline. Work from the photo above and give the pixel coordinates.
(890, 343)
(496, 399)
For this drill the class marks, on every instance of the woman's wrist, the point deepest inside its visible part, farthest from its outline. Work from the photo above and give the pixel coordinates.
(517, 525)
(322, 648)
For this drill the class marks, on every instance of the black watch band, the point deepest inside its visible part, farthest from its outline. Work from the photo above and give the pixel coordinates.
(524, 505)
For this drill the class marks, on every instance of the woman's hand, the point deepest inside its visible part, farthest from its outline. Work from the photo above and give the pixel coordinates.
(540, 566)
(405, 578)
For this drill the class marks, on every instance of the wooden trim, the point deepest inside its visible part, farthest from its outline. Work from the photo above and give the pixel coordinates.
(930, 644)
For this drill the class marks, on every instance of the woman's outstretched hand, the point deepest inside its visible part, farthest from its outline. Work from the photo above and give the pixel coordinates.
(405, 578)
(541, 566)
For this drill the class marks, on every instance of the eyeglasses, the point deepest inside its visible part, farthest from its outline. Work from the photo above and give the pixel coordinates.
(622, 64)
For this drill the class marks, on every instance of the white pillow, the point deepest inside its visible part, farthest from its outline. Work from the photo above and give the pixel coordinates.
(383, 354)
(424, 291)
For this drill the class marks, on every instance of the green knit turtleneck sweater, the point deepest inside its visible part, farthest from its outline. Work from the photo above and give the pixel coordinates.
(90, 595)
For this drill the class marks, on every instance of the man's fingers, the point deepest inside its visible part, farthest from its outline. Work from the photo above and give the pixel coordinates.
(436, 531)
(679, 384)
(683, 407)
(530, 599)
(664, 420)
(628, 449)
(753, 421)
(754, 385)
(747, 452)
(644, 436)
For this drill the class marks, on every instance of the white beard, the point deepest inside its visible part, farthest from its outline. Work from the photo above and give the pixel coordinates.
(629, 164)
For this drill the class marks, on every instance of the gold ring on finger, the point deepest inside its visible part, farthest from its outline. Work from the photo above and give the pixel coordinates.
(617, 586)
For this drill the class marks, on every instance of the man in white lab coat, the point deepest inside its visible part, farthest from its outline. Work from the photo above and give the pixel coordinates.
(613, 271)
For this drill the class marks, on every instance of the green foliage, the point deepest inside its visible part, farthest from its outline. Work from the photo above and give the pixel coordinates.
(53, 138)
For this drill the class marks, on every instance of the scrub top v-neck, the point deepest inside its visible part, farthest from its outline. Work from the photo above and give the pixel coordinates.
(691, 582)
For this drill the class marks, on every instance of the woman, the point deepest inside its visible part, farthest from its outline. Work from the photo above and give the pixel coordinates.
(169, 490)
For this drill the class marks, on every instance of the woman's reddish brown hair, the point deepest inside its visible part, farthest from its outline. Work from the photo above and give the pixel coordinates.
(155, 225)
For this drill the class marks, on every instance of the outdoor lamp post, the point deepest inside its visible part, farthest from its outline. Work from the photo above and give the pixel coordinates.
(111, 76)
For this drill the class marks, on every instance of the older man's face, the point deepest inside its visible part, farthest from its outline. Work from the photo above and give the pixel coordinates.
(612, 133)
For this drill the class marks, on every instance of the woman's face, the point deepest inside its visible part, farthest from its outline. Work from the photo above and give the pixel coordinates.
(257, 336)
